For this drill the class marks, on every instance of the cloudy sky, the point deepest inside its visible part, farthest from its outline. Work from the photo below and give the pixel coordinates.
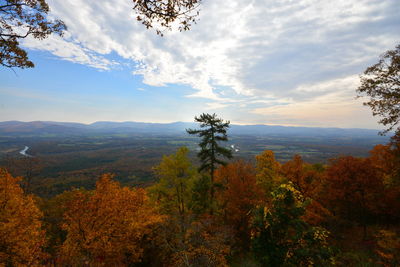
(286, 62)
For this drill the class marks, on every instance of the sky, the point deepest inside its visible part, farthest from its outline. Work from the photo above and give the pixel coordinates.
(286, 62)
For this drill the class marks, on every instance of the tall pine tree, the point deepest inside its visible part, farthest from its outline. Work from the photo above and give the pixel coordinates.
(213, 130)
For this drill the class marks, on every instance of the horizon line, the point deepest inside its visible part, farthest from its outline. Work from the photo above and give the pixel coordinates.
(171, 122)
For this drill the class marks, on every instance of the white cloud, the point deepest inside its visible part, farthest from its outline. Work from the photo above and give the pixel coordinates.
(337, 107)
(265, 51)
(71, 51)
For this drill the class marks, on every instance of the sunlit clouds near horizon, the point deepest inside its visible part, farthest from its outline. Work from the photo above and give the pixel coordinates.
(252, 62)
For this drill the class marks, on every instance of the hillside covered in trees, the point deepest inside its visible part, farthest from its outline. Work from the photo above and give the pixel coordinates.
(264, 213)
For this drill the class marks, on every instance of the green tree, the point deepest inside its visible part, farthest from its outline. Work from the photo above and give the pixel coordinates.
(18, 20)
(53, 210)
(381, 82)
(213, 130)
(281, 237)
(201, 201)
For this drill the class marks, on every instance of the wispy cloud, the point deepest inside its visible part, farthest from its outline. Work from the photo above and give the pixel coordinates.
(215, 105)
(70, 50)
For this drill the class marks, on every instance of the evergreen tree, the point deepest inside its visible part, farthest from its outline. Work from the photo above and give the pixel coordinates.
(213, 130)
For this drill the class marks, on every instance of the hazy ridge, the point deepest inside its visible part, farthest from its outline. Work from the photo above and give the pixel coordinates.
(105, 127)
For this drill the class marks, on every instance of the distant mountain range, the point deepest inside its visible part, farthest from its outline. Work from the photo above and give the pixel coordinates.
(39, 128)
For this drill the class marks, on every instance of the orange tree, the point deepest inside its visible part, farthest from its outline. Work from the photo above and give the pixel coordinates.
(237, 196)
(307, 179)
(21, 236)
(385, 160)
(107, 225)
(304, 177)
(353, 189)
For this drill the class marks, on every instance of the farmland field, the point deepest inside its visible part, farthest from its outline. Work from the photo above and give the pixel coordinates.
(60, 163)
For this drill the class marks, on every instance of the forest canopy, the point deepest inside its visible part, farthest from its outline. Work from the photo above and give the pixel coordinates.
(260, 213)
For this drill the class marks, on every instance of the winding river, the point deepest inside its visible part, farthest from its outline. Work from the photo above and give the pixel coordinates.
(23, 152)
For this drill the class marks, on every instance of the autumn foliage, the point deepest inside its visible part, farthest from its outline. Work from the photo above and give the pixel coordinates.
(281, 237)
(308, 180)
(264, 213)
(107, 226)
(353, 189)
(239, 194)
(21, 237)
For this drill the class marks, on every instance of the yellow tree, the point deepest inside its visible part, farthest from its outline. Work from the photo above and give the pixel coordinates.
(268, 168)
(174, 189)
(186, 242)
(106, 226)
(21, 237)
